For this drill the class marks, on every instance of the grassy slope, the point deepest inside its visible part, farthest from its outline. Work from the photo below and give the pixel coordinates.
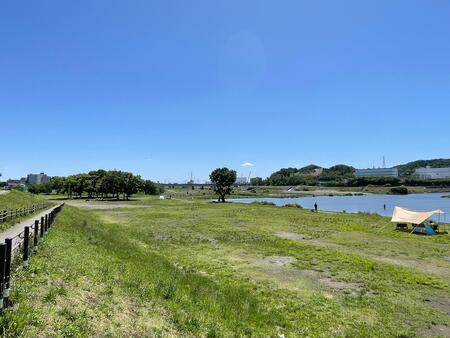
(197, 268)
(16, 199)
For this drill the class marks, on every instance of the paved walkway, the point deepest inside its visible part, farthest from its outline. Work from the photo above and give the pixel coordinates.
(18, 228)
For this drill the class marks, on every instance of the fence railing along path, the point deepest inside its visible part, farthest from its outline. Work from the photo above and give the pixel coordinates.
(18, 242)
(6, 215)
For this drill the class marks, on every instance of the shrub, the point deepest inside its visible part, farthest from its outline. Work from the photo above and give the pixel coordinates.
(293, 205)
(399, 191)
(264, 203)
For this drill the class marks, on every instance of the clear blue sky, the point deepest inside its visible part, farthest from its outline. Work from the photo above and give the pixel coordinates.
(163, 88)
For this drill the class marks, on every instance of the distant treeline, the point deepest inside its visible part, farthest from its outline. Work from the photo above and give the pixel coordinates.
(99, 184)
(339, 175)
(335, 175)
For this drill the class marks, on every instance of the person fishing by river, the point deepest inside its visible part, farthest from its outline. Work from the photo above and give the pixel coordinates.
(384, 206)
(315, 207)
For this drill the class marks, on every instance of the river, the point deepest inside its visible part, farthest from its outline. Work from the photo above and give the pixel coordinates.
(366, 203)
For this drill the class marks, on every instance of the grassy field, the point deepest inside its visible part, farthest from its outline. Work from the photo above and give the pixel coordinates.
(16, 199)
(187, 267)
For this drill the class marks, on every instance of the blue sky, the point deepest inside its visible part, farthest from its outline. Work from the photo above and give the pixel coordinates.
(163, 88)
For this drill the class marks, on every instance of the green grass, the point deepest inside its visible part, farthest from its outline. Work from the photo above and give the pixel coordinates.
(193, 268)
(16, 199)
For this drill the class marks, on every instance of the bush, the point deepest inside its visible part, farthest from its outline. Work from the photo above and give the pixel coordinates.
(399, 191)
(292, 205)
(264, 203)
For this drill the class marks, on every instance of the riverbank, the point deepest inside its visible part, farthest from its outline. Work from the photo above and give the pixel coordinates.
(382, 205)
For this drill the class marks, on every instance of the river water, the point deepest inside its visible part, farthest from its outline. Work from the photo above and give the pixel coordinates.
(366, 203)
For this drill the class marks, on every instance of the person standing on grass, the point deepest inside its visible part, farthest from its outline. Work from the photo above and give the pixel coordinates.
(315, 207)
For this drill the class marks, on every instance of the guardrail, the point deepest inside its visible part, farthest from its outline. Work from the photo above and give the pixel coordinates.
(21, 246)
(13, 213)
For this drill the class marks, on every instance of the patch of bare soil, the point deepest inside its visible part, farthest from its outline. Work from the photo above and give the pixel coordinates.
(325, 244)
(336, 285)
(279, 260)
(425, 267)
(441, 304)
(301, 237)
(120, 216)
(105, 205)
(436, 330)
(289, 235)
(314, 276)
(279, 270)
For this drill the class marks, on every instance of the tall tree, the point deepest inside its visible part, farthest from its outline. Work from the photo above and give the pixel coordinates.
(223, 180)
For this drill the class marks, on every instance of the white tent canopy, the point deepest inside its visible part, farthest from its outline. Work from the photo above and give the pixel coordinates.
(402, 215)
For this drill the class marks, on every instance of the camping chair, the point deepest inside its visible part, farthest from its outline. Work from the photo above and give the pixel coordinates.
(402, 226)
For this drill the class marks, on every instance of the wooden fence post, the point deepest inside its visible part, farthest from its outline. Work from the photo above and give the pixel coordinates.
(42, 227)
(2, 273)
(46, 223)
(26, 245)
(8, 243)
(36, 234)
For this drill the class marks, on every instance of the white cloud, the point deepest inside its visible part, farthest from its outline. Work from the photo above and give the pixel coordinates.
(248, 164)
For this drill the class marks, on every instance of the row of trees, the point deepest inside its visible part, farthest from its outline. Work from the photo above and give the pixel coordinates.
(114, 183)
(99, 184)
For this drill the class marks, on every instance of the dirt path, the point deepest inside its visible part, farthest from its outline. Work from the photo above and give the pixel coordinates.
(104, 205)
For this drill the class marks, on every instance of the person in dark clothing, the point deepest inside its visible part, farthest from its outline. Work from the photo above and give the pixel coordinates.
(384, 206)
(315, 207)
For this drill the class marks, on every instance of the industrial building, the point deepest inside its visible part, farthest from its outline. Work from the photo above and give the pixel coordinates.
(377, 172)
(428, 173)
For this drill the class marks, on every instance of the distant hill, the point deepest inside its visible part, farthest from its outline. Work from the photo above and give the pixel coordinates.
(408, 168)
(311, 169)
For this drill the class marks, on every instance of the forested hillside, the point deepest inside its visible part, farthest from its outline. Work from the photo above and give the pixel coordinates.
(408, 168)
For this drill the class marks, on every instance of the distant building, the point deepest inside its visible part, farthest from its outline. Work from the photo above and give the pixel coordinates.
(429, 173)
(377, 172)
(37, 178)
(14, 182)
(241, 180)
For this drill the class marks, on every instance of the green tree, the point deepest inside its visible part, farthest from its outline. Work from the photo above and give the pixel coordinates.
(256, 181)
(132, 184)
(223, 180)
(150, 188)
(58, 184)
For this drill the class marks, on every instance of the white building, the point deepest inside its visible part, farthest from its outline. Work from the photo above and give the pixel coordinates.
(429, 173)
(377, 172)
(241, 180)
(37, 178)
